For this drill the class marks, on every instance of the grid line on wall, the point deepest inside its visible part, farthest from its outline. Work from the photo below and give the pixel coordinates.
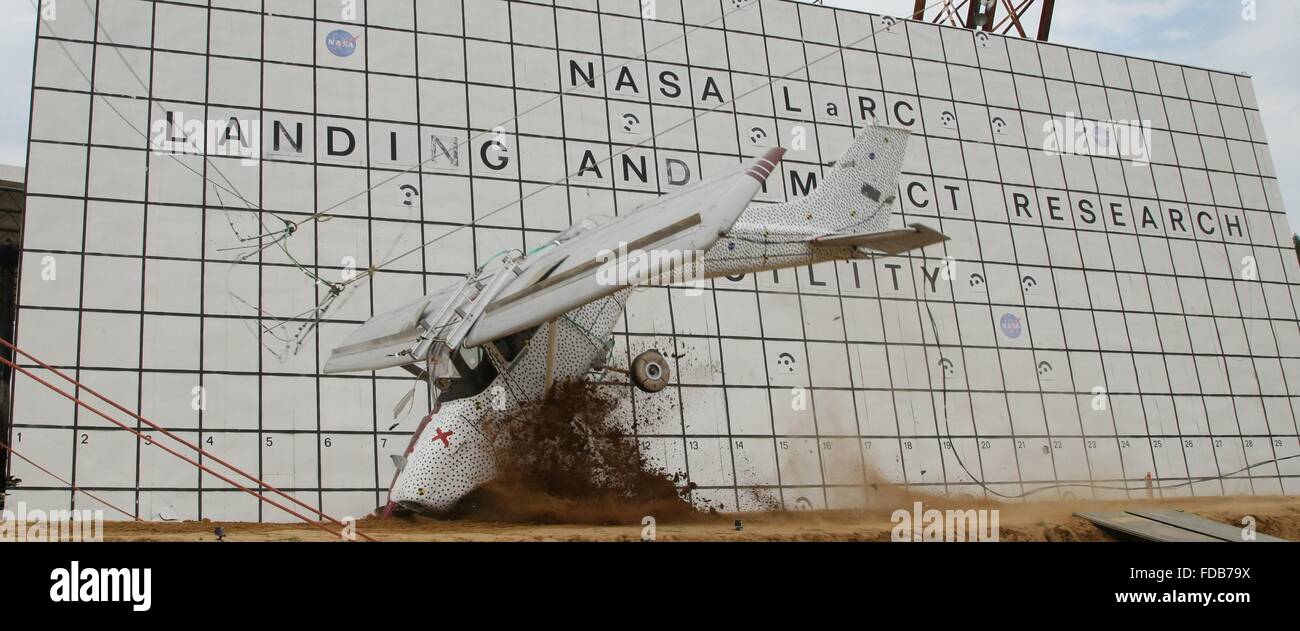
(928, 166)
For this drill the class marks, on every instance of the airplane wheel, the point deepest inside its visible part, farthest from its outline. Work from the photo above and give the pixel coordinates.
(650, 371)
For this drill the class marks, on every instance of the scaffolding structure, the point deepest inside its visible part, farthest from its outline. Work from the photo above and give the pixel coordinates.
(983, 15)
(12, 203)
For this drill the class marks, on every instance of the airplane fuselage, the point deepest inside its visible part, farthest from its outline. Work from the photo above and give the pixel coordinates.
(450, 455)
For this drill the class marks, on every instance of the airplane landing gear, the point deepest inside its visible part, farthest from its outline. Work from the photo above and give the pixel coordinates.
(650, 371)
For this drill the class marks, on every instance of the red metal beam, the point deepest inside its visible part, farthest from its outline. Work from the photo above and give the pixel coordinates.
(950, 11)
(81, 387)
(1012, 18)
(75, 488)
(972, 12)
(1014, 13)
(979, 16)
(1045, 20)
(947, 14)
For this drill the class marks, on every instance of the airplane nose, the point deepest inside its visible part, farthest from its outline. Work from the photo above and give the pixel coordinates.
(450, 459)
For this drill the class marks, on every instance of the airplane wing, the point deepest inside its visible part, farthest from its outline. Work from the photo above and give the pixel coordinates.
(587, 267)
(383, 340)
(527, 292)
(892, 242)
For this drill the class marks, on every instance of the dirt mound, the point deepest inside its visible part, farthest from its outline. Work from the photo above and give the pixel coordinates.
(1020, 521)
(566, 460)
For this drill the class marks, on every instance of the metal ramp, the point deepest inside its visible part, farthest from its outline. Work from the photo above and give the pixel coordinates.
(1169, 526)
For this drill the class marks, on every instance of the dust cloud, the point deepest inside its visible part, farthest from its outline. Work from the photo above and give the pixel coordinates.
(567, 459)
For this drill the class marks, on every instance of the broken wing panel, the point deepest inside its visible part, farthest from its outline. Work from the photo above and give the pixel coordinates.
(377, 343)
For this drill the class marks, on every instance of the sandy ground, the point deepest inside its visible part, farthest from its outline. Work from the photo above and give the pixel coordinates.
(1032, 521)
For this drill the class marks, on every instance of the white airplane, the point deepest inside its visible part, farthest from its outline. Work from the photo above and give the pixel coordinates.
(472, 342)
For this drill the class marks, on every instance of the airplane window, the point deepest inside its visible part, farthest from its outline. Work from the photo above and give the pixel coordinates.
(511, 345)
(472, 356)
(445, 368)
(471, 375)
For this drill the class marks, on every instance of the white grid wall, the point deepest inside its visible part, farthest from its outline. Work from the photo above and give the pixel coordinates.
(1094, 320)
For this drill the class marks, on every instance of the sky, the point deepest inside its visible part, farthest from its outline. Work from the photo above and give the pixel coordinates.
(1210, 34)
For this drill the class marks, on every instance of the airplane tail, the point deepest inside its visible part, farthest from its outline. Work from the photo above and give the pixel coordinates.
(857, 193)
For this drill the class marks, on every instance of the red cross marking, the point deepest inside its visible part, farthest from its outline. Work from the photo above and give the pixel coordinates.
(444, 437)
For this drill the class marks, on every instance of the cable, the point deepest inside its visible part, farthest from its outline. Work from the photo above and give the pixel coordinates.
(694, 118)
(73, 487)
(148, 440)
(127, 121)
(337, 288)
(516, 117)
(9, 345)
(375, 268)
(1060, 485)
(280, 236)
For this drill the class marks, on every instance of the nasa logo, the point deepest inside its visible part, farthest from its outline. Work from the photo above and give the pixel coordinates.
(1011, 326)
(341, 43)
